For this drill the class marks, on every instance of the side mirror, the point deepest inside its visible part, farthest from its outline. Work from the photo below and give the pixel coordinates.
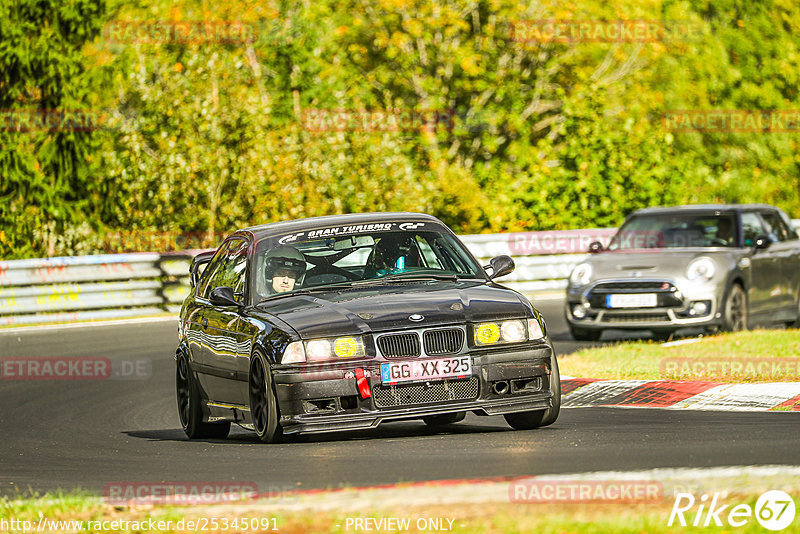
(223, 296)
(501, 266)
(762, 242)
(595, 247)
(198, 264)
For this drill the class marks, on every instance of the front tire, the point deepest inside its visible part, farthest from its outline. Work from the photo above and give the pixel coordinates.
(539, 418)
(263, 404)
(189, 409)
(734, 311)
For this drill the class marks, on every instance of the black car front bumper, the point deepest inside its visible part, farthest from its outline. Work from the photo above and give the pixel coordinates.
(323, 400)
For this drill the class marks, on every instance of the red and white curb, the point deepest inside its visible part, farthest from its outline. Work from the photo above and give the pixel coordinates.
(680, 394)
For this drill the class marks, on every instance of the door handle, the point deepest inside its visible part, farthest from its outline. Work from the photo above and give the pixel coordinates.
(204, 322)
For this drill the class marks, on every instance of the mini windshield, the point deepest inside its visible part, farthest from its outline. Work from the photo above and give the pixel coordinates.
(676, 230)
(362, 258)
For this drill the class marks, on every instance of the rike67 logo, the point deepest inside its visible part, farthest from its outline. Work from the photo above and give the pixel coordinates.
(774, 510)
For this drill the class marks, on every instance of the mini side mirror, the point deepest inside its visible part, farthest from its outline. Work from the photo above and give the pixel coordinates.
(595, 247)
(501, 266)
(223, 296)
(762, 242)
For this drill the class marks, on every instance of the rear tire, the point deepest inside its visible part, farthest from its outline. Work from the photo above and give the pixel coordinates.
(189, 408)
(444, 419)
(734, 311)
(584, 334)
(539, 418)
(263, 403)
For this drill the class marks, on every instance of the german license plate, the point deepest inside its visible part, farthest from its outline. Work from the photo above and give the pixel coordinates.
(422, 370)
(638, 300)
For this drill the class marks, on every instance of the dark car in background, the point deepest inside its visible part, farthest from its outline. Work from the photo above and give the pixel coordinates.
(717, 267)
(347, 322)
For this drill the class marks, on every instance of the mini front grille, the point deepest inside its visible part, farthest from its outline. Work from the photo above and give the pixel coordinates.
(408, 394)
(445, 341)
(653, 285)
(399, 345)
(636, 318)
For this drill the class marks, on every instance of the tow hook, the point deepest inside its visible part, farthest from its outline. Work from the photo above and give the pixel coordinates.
(362, 384)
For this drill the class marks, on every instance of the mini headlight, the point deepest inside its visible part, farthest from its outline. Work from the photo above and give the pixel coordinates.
(294, 353)
(701, 268)
(487, 333)
(581, 274)
(534, 329)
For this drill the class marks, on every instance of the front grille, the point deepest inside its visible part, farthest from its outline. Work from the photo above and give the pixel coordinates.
(399, 345)
(665, 292)
(421, 393)
(635, 318)
(654, 285)
(445, 341)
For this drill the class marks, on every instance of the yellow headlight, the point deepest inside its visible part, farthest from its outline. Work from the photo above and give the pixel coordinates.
(346, 347)
(487, 333)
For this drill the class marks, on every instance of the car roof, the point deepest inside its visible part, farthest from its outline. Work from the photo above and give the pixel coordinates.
(704, 207)
(295, 225)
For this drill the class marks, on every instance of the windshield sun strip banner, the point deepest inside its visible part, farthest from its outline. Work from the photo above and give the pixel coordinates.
(347, 230)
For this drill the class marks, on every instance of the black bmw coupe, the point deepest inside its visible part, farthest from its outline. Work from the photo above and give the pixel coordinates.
(346, 322)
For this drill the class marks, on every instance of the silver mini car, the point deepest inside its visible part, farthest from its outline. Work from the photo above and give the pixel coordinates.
(718, 267)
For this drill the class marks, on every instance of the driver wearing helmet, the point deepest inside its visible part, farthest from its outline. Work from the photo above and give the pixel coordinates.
(284, 266)
(393, 253)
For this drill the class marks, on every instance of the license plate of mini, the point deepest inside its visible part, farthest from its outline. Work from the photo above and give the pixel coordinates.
(637, 300)
(424, 370)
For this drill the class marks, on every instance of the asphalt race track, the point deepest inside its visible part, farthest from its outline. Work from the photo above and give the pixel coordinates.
(68, 434)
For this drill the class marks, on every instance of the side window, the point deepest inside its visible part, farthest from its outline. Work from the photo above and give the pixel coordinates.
(210, 272)
(778, 226)
(431, 261)
(752, 227)
(232, 271)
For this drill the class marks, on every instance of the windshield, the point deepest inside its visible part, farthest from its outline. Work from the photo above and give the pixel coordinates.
(325, 257)
(676, 230)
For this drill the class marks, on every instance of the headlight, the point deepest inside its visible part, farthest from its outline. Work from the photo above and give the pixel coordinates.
(701, 269)
(315, 350)
(503, 332)
(581, 274)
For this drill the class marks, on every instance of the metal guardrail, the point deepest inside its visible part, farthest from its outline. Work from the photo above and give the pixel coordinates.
(140, 284)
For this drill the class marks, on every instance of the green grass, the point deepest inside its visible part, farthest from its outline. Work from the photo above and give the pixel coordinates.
(477, 518)
(754, 356)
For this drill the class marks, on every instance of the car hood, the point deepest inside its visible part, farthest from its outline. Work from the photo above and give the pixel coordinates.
(376, 309)
(670, 263)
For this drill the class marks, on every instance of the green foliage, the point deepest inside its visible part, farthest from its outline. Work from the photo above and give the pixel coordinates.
(207, 135)
(45, 182)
